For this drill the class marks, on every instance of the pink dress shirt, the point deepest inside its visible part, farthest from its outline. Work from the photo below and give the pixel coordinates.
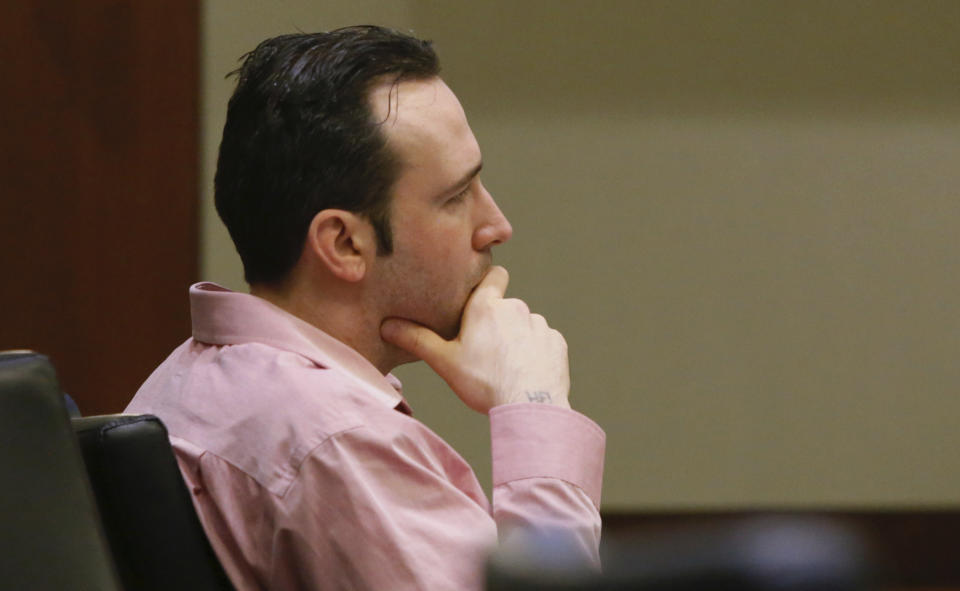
(308, 471)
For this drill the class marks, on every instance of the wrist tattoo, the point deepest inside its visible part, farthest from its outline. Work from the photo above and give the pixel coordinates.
(540, 396)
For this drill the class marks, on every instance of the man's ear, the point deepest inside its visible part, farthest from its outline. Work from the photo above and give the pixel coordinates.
(342, 241)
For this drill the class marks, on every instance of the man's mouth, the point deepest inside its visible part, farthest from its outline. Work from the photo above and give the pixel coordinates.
(481, 273)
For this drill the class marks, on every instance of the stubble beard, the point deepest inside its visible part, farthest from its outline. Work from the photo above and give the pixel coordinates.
(453, 330)
(427, 307)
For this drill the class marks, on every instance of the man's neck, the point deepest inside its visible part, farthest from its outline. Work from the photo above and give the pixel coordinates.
(341, 315)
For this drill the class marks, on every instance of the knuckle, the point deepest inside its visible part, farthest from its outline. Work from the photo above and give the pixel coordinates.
(518, 305)
(416, 342)
(559, 337)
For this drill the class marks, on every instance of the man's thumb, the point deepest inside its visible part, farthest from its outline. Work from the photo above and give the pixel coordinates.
(416, 339)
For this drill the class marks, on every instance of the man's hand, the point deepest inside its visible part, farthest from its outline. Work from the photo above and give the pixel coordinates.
(503, 354)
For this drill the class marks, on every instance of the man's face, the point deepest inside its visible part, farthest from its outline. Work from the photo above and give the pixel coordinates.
(444, 221)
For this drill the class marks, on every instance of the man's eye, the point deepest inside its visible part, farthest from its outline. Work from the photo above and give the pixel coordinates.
(459, 196)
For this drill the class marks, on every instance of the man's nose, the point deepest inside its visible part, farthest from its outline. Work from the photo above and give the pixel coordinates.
(494, 228)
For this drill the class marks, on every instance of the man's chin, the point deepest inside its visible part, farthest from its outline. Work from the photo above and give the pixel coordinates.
(451, 332)
(448, 327)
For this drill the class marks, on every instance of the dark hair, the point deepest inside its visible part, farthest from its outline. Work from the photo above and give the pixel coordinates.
(300, 138)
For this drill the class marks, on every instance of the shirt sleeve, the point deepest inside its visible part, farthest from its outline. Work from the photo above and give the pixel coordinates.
(547, 475)
(378, 510)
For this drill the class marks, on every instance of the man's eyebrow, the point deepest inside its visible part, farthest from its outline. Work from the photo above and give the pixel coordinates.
(464, 180)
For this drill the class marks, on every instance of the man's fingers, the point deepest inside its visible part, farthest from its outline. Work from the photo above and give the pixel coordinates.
(415, 339)
(494, 283)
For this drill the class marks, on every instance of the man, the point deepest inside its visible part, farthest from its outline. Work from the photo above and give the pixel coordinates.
(349, 180)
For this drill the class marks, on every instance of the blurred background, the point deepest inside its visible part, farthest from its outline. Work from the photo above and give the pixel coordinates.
(742, 215)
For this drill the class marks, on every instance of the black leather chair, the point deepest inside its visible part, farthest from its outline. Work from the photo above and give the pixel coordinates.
(149, 518)
(50, 534)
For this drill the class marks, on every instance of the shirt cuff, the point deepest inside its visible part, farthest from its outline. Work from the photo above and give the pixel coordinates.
(531, 440)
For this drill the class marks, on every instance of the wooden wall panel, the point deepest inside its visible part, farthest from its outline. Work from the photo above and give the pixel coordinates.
(909, 548)
(98, 187)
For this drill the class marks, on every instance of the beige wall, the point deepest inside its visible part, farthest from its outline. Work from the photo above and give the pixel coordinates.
(742, 215)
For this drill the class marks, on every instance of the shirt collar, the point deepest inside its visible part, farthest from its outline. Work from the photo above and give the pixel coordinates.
(224, 317)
